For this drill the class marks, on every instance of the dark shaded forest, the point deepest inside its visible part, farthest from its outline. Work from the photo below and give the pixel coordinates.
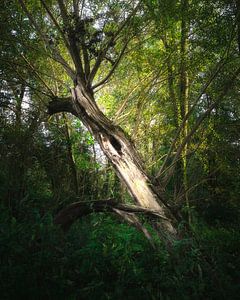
(119, 149)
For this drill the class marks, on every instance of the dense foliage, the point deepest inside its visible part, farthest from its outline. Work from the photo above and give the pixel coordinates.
(174, 89)
(102, 259)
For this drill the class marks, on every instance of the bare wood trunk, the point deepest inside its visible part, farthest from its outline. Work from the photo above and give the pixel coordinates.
(122, 154)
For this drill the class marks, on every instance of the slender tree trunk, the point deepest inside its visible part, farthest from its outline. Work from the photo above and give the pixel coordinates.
(107, 181)
(70, 155)
(184, 96)
(172, 95)
(237, 3)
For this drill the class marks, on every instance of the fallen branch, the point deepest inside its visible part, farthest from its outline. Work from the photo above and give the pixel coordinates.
(67, 216)
(77, 210)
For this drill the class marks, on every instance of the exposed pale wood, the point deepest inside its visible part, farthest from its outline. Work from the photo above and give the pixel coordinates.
(122, 155)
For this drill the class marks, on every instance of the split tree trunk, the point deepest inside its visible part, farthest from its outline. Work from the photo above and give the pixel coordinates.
(123, 156)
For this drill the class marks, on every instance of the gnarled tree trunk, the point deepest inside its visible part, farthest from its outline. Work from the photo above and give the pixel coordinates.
(121, 153)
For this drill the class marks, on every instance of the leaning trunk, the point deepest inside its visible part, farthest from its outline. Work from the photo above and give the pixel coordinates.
(123, 156)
